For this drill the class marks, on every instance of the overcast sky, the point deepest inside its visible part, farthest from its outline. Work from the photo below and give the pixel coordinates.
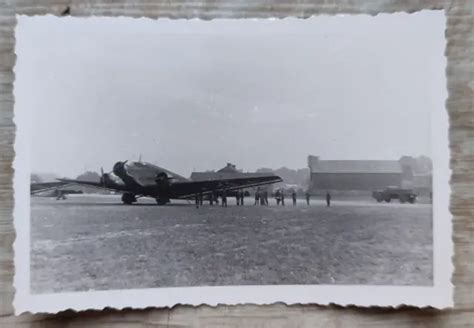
(194, 95)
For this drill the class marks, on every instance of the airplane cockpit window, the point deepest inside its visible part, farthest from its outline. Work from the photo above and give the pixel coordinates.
(138, 164)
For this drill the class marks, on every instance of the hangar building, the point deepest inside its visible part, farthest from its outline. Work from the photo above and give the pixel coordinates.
(353, 175)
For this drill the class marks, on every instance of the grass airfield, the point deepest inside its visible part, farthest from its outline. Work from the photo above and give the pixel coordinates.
(93, 242)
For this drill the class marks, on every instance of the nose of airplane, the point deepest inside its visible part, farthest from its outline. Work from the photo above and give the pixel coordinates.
(119, 169)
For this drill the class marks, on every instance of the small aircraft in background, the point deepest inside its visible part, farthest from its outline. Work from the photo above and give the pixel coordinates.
(38, 187)
(141, 179)
(51, 189)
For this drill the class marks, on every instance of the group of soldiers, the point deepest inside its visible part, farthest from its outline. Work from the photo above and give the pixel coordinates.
(280, 197)
(214, 198)
(261, 198)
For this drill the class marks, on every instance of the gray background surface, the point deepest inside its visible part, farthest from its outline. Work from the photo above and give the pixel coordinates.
(459, 104)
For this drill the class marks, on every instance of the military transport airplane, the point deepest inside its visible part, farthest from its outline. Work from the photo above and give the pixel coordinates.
(141, 179)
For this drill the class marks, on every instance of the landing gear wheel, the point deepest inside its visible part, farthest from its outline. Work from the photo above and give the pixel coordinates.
(128, 198)
(162, 201)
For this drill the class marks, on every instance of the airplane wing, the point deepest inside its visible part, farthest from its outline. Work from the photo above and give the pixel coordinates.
(88, 183)
(38, 187)
(190, 188)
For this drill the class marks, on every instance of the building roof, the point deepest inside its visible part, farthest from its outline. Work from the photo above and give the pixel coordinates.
(353, 166)
(229, 168)
(227, 172)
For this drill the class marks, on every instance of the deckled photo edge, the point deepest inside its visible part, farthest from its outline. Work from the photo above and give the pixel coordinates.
(438, 296)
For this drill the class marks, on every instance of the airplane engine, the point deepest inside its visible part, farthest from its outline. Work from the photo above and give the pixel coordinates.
(162, 182)
(162, 188)
(119, 169)
(162, 178)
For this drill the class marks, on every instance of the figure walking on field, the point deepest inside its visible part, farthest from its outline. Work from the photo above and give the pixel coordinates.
(257, 196)
(328, 199)
(307, 198)
(224, 198)
(293, 195)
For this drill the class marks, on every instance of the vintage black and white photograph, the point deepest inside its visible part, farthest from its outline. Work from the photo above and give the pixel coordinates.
(160, 156)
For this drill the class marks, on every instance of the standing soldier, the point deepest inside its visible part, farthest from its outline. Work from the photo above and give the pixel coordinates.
(257, 196)
(307, 197)
(293, 195)
(277, 196)
(60, 195)
(265, 197)
(282, 197)
(197, 200)
(224, 198)
(328, 199)
(201, 197)
(241, 195)
(237, 198)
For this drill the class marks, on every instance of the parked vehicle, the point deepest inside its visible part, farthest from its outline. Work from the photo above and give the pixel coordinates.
(389, 193)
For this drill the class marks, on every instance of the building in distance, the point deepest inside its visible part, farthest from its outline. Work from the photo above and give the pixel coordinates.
(365, 176)
(229, 171)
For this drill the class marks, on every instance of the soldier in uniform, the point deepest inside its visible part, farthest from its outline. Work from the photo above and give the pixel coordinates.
(308, 196)
(293, 195)
(224, 198)
(328, 199)
(242, 196)
(60, 195)
(282, 197)
(265, 197)
(257, 196)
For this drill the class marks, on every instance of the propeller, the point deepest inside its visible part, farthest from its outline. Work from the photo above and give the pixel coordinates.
(102, 176)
